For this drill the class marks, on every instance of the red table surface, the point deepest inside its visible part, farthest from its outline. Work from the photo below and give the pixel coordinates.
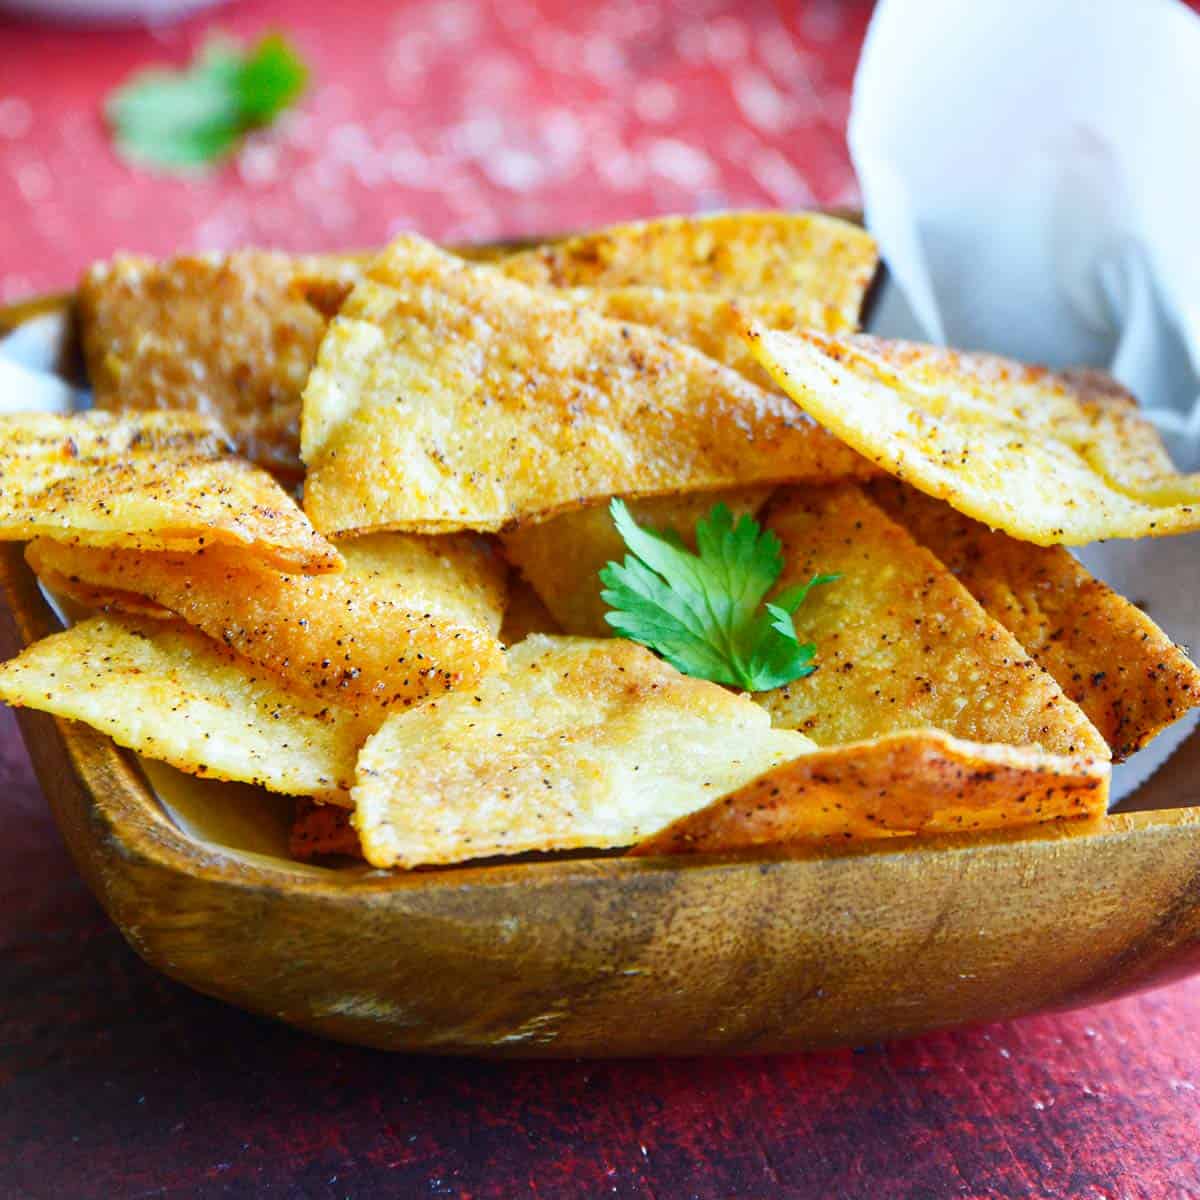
(465, 120)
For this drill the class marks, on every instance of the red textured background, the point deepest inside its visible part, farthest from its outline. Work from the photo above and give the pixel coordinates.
(461, 119)
(466, 120)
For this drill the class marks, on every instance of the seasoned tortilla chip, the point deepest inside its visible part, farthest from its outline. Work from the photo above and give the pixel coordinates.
(582, 743)
(819, 264)
(562, 557)
(152, 481)
(233, 336)
(1121, 441)
(1038, 455)
(92, 598)
(706, 321)
(901, 644)
(446, 396)
(524, 613)
(175, 695)
(1107, 655)
(320, 830)
(409, 616)
(919, 782)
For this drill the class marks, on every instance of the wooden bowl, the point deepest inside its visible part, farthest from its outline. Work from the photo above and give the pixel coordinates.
(609, 956)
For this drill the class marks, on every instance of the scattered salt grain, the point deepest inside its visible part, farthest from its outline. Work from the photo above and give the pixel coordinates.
(16, 117)
(515, 170)
(655, 101)
(726, 40)
(682, 164)
(258, 163)
(603, 59)
(34, 181)
(760, 101)
(781, 181)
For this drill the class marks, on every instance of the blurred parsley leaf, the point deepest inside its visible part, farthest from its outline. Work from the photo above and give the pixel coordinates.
(185, 120)
(704, 612)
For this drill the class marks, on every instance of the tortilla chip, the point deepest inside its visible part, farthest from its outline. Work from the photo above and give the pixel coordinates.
(1107, 655)
(1041, 456)
(901, 644)
(151, 481)
(175, 695)
(582, 743)
(448, 397)
(235, 335)
(524, 613)
(919, 782)
(322, 830)
(232, 336)
(1121, 441)
(409, 617)
(86, 599)
(819, 264)
(706, 321)
(562, 557)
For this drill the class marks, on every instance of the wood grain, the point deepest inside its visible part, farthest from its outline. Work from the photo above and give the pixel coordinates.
(566, 958)
(117, 1082)
(611, 956)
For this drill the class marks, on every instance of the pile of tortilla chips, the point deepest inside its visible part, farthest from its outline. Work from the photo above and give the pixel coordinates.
(418, 650)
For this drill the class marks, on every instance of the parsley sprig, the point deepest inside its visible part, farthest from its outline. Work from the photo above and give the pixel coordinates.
(184, 120)
(705, 612)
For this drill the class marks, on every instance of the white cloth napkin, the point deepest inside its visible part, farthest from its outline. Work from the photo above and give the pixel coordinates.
(1032, 173)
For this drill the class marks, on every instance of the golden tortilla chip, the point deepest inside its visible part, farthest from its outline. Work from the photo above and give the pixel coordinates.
(524, 613)
(901, 644)
(86, 599)
(1121, 441)
(319, 830)
(819, 264)
(175, 695)
(232, 336)
(152, 481)
(446, 396)
(1107, 655)
(582, 743)
(1044, 457)
(919, 782)
(235, 335)
(706, 321)
(562, 557)
(409, 617)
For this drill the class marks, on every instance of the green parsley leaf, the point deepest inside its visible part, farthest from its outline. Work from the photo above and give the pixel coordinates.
(704, 612)
(184, 120)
